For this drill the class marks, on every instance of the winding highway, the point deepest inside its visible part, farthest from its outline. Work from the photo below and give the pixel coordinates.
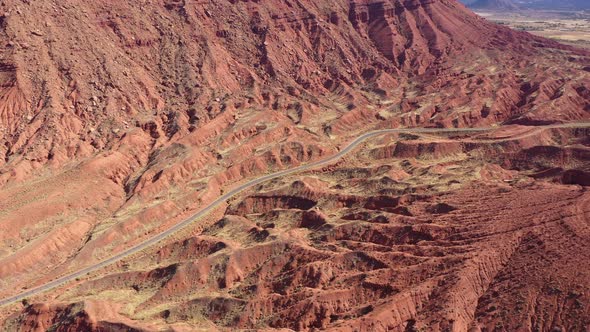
(207, 209)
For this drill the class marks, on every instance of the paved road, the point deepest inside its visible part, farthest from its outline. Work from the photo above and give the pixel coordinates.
(159, 237)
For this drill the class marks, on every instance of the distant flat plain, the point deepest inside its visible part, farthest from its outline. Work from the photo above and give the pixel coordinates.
(568, 27)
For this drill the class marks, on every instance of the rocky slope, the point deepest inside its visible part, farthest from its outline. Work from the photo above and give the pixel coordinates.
(74, 86)
(120, 118)
(411, 233)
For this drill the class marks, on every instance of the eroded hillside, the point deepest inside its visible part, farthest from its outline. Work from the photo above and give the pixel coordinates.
(120, 118)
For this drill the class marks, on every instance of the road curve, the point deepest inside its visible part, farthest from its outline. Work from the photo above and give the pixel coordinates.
(205, 210)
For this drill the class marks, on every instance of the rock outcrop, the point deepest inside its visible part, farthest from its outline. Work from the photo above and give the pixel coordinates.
(119, 119)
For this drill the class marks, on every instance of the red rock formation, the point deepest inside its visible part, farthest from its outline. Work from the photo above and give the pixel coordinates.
(85, 316)
(120, 118)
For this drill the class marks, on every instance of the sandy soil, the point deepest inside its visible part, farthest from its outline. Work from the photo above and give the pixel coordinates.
(572, 28)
